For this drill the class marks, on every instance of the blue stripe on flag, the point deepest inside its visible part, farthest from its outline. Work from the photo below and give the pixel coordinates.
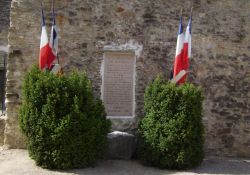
(54, 37)
(53, 15)
(180, 27)
(190, 24)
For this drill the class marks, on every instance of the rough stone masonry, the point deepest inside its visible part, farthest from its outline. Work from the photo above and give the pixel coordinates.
(4, 26)
(220, 62)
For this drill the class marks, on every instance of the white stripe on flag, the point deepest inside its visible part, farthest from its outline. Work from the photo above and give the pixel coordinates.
(188, 40)
(44, 37)
(179, 45)
(179, 76)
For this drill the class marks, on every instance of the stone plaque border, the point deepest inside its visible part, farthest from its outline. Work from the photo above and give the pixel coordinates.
(120, 52)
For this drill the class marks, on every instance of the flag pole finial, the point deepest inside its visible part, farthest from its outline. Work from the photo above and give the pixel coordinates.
(53, 12)
(43, 18)
(52, 5)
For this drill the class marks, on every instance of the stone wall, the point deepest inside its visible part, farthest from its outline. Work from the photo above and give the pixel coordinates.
(4, 21)
(220, 61)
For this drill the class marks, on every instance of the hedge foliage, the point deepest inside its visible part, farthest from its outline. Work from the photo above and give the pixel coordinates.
(65, 125)
(171, 133)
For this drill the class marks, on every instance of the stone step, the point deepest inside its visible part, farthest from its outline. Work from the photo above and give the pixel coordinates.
(121, 145)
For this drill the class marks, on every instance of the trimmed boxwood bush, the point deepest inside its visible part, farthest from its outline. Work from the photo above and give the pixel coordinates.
(65, 125)
(171, 133)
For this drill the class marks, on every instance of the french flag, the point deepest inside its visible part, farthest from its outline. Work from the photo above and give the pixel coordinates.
(46, 53)
(53, 36)
(187, 48)
(178, 63)
(183, 53)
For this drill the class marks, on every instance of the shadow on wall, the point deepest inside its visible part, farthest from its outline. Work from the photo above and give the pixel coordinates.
(3, 61)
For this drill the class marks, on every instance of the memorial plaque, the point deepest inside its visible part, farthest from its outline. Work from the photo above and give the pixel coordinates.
(118, 83)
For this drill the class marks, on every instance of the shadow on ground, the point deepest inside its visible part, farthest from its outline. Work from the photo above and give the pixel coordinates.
(215, 165)
(211, 165)
(17, 162)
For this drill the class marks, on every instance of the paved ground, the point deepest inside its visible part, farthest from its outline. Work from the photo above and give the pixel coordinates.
(17, 162)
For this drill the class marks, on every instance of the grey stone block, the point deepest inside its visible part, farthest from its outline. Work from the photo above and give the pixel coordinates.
(121, 145)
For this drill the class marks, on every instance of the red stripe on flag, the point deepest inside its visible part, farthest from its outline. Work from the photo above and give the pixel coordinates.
(184, 63)
(185, 57)
(43, 56)
(178, 63)
(46, 57)
(51, 57)
(181, 63)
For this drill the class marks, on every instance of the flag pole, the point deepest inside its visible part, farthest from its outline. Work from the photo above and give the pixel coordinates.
(54, 23)
(171, 75)
(43, 19)
(191, 12)
(43, 24)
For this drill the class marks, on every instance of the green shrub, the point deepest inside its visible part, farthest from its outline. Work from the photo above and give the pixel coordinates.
(171, 133)
(65, 125)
